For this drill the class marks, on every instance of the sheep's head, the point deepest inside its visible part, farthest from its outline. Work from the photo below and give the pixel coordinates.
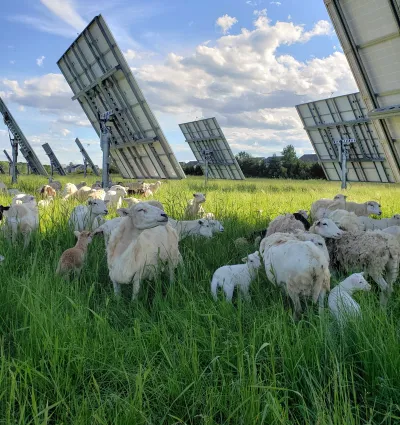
(205, 228)
(358, 282)
(253, 260)
(327, 228)
(304, 213)
(396, 219)
(98, 207)
(199, 198)
(340, 197)
(373, 208)
(85, 235)
(2, 210)
(216, 226)
(120, 190)
(145, 216)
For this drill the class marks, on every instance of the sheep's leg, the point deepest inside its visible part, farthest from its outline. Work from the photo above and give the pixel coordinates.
(117, 289)
(297, 307)
(171, 273)
(135, 288)
(245, 291)
(229, 293)
(321, 301)
(386, 290)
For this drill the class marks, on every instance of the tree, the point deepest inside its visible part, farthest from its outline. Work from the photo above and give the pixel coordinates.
(289, 160)
(243, 156)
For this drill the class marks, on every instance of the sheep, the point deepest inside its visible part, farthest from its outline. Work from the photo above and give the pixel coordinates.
(285, 224)
(48, 192)
(132, 201)
(137, 246)
(374, 252)
(97, 194)
(209, 216)
(300, 269)
(56, 185)
(216, 226)
(69, 190)
(13, 192)
(115, 196)
(22, 198)
(365, 209)
(325, 203)
(147, 193)
(44, 203)
(192, 228)
(240, 275)
(3, 187)
(194, 209)
(24, 218)
(88, 217)
(82, 194)
(340, 300)
(107, 227)
(72, 259)
(97, 185)
(154, 186)
(368, 223)
(3, 211)
(80, 185)
(345, 220)
(135, 185)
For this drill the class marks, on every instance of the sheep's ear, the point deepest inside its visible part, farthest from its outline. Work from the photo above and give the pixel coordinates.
(6, 208)
(257, 253)
(123, 212)
(244, 259)
(77, 233)
(201, 222)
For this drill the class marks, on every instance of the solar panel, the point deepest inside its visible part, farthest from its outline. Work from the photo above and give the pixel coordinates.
(102, 81)
(211, 149)
(369, 32)
(86, 157)
(54, 162)
(345, 117)
(25, 147)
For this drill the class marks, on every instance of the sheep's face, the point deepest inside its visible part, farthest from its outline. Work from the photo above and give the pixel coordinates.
(145, 216)
(121, 191)
(253, 260)
(2, 210)
(216, 226)
(373, 208)
(98, 206)
(25, 199)
(340, 197)
(359, 283)
(396, 218)
(205, 228)
(328, 229)
(199, 197)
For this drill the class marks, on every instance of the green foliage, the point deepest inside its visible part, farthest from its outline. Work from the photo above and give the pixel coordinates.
(72, 354)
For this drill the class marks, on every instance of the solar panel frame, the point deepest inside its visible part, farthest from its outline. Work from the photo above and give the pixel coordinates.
(369, 32)
(101, 80)
(206, 135)
(25, 147)
(86, 156)
(345, 117)
(54, 162)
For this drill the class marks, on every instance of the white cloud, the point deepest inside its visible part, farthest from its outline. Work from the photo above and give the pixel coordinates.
(65, 132)
(39, 61)
(21, 108)
(289, 17)
(65, 10)
(12, 62)
(276, 3)
(226, 22)
(320, 28)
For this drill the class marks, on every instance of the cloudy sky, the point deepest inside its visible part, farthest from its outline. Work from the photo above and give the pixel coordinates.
(245, 62)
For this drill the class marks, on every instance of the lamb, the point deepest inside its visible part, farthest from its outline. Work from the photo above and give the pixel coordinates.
(69, 190)
(72, 259)
(305, 275)
(82, 194)
(88, 217)
(115, 196)
(154, 186)
(192, 228)
(22, 198)
(345, 220)
(340, 300)
(375, 253)
(137, 246)
(97, 194)
(325, 203)
(209, 216)
(194, 209)
(3, 187)
(216, 226)
(80, 185)
(365, 209)
(48, 192)
(368, 223)
(284, 224)
(240, 275)
(23, 218)
(135, 185)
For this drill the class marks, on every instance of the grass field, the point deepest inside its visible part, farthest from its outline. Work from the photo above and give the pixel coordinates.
(72, 354)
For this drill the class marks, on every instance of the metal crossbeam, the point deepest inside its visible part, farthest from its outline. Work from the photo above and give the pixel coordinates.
(26, 149)
(54, 162)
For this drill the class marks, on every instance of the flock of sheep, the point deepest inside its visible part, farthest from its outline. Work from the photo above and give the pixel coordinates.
(143, 241)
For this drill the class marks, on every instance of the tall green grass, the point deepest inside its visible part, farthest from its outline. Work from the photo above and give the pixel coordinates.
(72, 354)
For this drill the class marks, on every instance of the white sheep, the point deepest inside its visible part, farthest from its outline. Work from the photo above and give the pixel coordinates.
(88, 217)
(22, 198)
(69, 190)
(13, 192)
(97, 194)
(284, 224)
(21, 218)
(82, 194)
(364, 209)
(187, 228)
(138, 245)
(194, 208)
(216, 226)
(237, 275)
(376, 253)
(368, 223)
(44, 203)
(300, 269)
(345, 220)
(154, 186)
(72, 259)
(325, 203)
(115, 196)
(340, 300)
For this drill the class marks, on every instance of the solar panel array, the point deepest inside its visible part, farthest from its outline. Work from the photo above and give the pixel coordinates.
(55, 163)
(369, 32)
(345, 117)
(207, 142)
(25, 148)
(101, 81)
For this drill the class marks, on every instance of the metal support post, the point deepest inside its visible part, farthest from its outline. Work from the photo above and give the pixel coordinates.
(105, 133)
(85, 164)
(206, 153)
(343, 149)
(14, 146)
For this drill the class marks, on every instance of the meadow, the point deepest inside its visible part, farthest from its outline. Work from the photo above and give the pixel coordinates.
(73, 354)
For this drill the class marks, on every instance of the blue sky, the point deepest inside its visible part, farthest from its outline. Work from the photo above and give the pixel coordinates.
(246, 62)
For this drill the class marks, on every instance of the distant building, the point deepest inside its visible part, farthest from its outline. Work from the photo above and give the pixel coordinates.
(192, 164)
(309, 157)
(269, 159)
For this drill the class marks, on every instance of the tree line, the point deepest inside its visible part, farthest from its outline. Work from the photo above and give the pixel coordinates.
(287, 166)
